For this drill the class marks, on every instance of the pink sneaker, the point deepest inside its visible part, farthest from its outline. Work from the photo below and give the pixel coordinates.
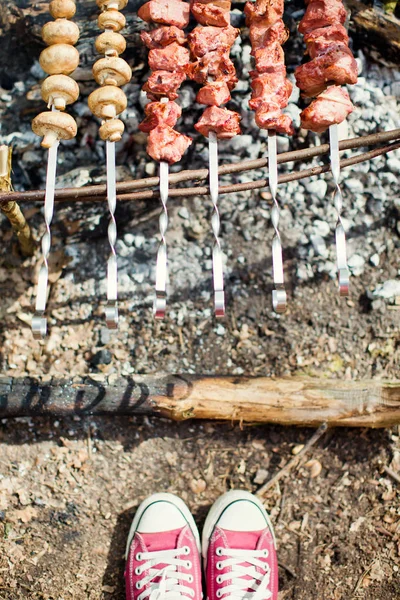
(239, 550)
(163, 552)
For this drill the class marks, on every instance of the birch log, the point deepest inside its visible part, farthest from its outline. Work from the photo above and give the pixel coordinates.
(290, 401)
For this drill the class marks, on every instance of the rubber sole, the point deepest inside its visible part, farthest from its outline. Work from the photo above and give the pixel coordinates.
(218, 508)
(163, 497)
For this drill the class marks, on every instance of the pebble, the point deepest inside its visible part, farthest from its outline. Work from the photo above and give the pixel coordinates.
(129, 239)
(375, 259)
(317, 188)
(184, 213)
(356, 186)
(356, 264)
(319, 245)
(220, 330)
(393, 164)
(321, 228)
(388, 290)
(261, 476)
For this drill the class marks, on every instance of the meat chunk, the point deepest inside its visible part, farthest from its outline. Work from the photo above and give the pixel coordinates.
(319, 40)
(321, 13)
(332, 106)
(270, 116)
(266, 11)
(262, 34)
(215, 65)
(166, 144)
(214, 93)
(337, 65)
(171, 58)
(224, 122)
(160, 113)
(271, 86)
(215, 13)
(163, 83)
(163, 36)
(268, 58)
(172, 12)
(207, 39)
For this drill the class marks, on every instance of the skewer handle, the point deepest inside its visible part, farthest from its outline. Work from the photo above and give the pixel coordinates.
(218, 270)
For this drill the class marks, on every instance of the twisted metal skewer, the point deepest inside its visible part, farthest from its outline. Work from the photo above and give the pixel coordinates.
(160, 300)
(39, 321)
(111, 310)
(218, 273)
(341, 254)
(279, 298)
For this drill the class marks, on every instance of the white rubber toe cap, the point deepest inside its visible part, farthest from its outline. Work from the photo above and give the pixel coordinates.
(161, 516)
(242, 515)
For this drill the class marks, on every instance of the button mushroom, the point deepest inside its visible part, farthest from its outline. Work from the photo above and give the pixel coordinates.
(110, 43)
(62, 9)
(112, 71)
(53, 126)
(59, 90)
(111, 19)
(60, 31)
(111, 4)
(112, 130)
(59, 58)
(107, 102)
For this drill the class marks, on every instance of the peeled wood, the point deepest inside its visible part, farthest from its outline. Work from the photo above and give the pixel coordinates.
(289, 401)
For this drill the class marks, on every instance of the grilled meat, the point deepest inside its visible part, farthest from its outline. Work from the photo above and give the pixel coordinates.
(335, 65)
(163, 83)
(163, 36)
(224, 122)
(172, 58)
(321, 13)
(203, 40)
(332, 106)
(160, 113)
(215, 13)
(166, 144)
(169, 12)
(214, 93)
(216, 66)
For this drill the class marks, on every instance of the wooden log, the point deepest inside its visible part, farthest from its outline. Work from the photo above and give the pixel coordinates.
(290, 401)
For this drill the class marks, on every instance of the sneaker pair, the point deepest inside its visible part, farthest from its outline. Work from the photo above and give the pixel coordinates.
(239, 551)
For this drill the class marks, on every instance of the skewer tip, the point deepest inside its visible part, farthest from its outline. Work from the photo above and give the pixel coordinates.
(111, 314)
(279, 301)
(39, 326)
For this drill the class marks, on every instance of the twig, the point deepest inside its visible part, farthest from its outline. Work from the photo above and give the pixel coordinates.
(392, 473)
(98, 192)
(11, 209)
(293, 462)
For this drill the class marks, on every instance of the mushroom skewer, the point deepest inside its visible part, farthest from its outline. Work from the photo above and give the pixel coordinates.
(106, 103)
(59, 60)
(341, 255)
(278, 294)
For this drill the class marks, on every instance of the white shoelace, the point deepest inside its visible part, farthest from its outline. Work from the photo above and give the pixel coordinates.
(246, 582)
(170, 584)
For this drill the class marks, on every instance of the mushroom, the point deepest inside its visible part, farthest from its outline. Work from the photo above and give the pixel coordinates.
(111, 19)
(112, 71)
(62, 9)
(53, 126)
(60, 31)
(59, 90)
(112, 130)
(110, 43)
(107, 102)
(59, 58)
(111, 4)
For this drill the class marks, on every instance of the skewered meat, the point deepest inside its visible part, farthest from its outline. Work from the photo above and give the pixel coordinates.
(215, 65)
(207, 39)
(215, 13)
(332, 106)
(163, 83)
(159, 113)
(271, 88)
(166, 144)
(224, 122)
(321, 13)
(163, 36)
(214, 93)
(332, 62)
(169, 12)
(261, 35)
(172, 58)
(336, 64)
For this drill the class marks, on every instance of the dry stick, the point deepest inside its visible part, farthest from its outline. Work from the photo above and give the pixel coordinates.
(293, 462)
(392, 473)
(11, 208)
(92, 192)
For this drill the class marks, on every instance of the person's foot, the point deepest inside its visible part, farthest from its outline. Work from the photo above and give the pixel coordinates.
(239, 550)
(163, 552)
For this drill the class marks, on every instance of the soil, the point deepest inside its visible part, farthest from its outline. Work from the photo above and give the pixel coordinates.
(69, 487)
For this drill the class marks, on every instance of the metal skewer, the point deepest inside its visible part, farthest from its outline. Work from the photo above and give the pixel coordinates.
(218, 273)
(111, 310)
(341, 255)
(279, 298)
(39, 321)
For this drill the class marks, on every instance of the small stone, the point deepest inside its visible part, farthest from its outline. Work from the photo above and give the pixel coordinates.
(315, 467)
(129, 239)
(260, 476)
(321, 228)
(296, 449)
(317, 188)
(375, 259)
(356, 264)
(319, 245)
(198, 486)
(150, 168)
(102, 357)
(220, 330)
(184, 213)
(393, 164)
(354, 185)
(388, 290)
(104, 336)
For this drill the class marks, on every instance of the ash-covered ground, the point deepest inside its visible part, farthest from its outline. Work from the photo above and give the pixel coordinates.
(64, 484)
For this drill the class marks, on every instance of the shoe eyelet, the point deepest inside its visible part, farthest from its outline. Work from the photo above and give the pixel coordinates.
(219, 579)
(219, 566)
(138, 556)
(265, 553)
(138, 585)
(218, 552)
(186, 550)
(190, 579)
(192, 593)
(188, 565)
(138, 571)
(218, 594)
